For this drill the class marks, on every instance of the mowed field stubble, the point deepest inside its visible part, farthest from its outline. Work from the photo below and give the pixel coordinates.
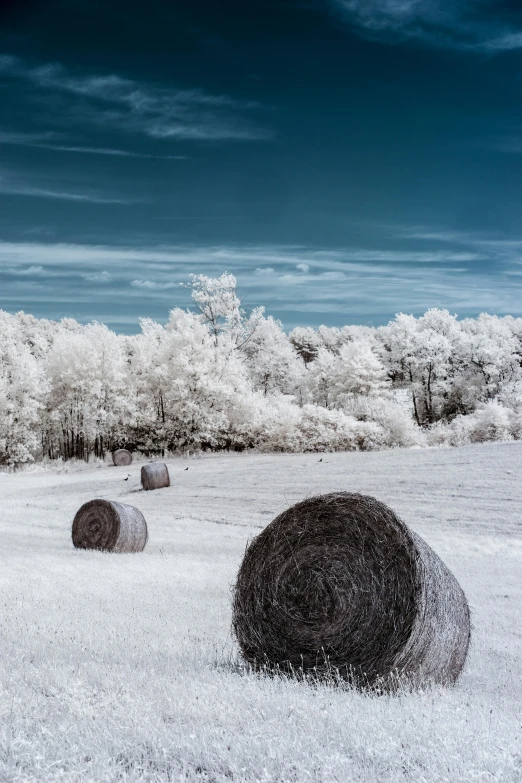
(122, 667)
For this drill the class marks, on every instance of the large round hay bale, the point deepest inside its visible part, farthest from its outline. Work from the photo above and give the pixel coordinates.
(109, 526)
(155, 475)
(121, 457)
(338, 586)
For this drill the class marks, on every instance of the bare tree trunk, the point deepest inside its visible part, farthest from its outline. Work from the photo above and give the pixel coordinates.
(415, 408)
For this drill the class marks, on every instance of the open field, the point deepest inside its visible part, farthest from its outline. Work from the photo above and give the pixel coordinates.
(121, 667)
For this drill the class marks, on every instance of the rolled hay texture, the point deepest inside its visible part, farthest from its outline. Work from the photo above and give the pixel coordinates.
(110, 527)
(338, 586)
(121, 457)
(155, 476)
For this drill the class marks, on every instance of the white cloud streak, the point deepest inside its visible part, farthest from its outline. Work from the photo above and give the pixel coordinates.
(158, 112)
(152, 284)
(23, 190)
(20, 184)
(494, 249)
(473, 25)
(252, 257)
(109, 151)
(25, 139)
(30, 271)
(264, 271)
(91, 150)
(98, 277)
(360, 284)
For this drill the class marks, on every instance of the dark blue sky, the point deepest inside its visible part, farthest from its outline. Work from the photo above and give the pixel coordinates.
(346, 159)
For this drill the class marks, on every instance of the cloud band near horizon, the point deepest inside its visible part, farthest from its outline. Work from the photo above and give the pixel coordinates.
(308, 286)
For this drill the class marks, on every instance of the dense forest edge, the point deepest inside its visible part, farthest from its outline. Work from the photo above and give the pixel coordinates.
(216, 378)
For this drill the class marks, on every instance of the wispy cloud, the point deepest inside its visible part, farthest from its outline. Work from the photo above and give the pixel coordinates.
(37, 140)
(25, 139)
(98, 277)
(494, 249)
(509, 144)
(24, 184)
(24, 190)
(298, 284)
(113, 101)
(152, 284)
(263, 271)
(474, 25)
(261, 260)
(29, 271)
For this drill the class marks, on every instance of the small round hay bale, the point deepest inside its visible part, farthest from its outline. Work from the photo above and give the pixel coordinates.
(338, 586)
(121, 457)
(155, 476)
(110, 527)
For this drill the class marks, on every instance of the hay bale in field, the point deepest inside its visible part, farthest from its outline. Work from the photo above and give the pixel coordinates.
(155, 476)
(121, 457)
(338, 586)
(109, 526)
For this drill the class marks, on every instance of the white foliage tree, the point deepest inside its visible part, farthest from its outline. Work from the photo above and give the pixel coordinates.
(273, 364)
(203, 382)
(89, 400)
(321, 378)
(149, 379)
(306, 342)
(23, 386)
(490, 355)
(217, 301)
(360, 373)
(420, 354)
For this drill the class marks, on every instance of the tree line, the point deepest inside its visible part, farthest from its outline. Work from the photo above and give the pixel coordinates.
(215, 377)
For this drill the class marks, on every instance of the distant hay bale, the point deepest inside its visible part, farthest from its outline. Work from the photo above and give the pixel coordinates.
(155, 476)
(121, 457)
(110, 527)
(338, 586)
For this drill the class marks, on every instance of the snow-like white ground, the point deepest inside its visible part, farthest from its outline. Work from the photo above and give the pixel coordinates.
(120, 667)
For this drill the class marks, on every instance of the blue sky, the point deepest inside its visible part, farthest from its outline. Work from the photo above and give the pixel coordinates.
(346, 159)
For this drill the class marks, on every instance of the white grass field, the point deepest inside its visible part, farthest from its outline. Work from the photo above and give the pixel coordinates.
(121, 667)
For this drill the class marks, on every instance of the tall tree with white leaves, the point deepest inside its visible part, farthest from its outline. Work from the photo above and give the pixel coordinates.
(89, 403)
(23, 386)
(272, 362)
(420, 353)
(360, 373)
